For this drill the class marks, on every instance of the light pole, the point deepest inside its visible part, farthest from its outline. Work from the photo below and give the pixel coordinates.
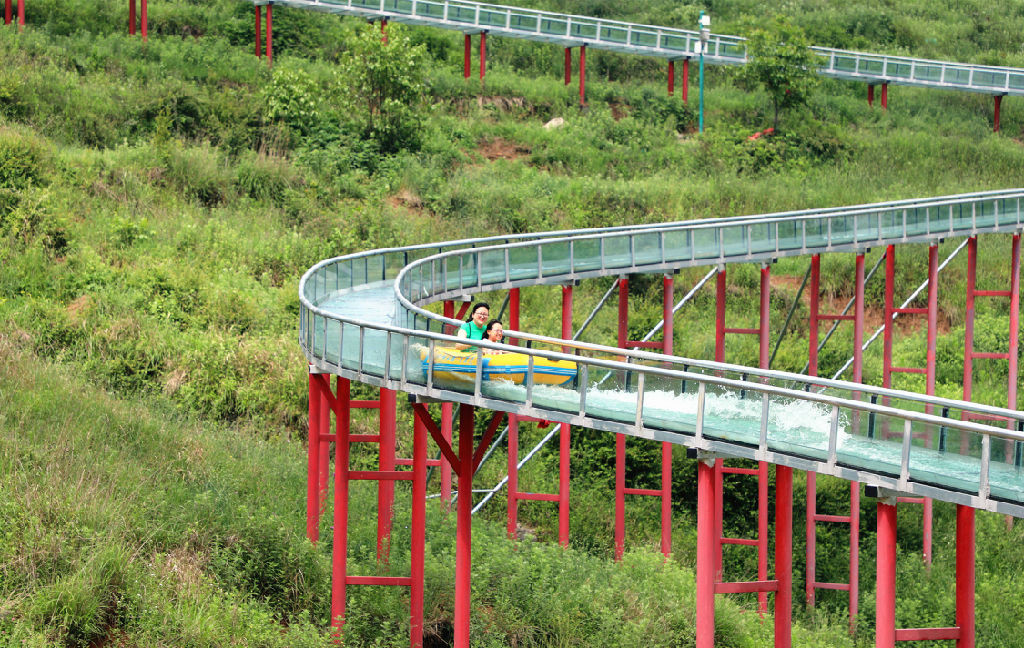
(705, 32)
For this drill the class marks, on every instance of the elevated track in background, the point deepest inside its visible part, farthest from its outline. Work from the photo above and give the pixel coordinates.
(571, 31)
(362, 318)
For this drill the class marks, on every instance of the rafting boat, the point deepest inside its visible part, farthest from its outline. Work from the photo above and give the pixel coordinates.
(451, 364)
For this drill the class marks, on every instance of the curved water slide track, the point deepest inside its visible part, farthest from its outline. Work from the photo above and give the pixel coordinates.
(362, 318)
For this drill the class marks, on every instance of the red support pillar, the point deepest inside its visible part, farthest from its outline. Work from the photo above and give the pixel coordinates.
(998, 102)
(671, 78)
(1014, 320)
(706, 571)
(720, 315)
(466, 55)
(668, 338)
(812, 335)
(143, 17)
(583, 75)
(885, 96)
(858, 321)
(259, 36)
(783, 556)
(620, 439)
(888, 311)
(871, 95)
(384, 30)
(568, 65)
(972, 264)
(513, 432)
(131, 16)
(313, 459)
(21, 17)
(686, 80)
(325, 443)
(270, 35)
(386, 463)
(965, 576)
(418, 533)
(463, 528)
(7, 12)
(339, 548)
(483, 54)
(563, 436)
(885, 584)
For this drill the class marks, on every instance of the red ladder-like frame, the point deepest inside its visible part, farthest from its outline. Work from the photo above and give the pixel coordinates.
(665, 492)
(762, 586)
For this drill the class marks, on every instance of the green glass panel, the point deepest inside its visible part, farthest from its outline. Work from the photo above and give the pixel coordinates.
(613, 34)
(554, 258)
(647, 248)
(492, 266)
(616, 252)
(522, 262)
(898, 70)
(587, 254)
(523, 22)
(762, 237)
(555, 27)
(677, 245)
(867, 227)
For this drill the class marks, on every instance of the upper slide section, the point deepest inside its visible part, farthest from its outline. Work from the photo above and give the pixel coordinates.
(664, 42)
(361, 317)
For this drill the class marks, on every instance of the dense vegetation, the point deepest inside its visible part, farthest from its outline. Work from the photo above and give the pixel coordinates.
(159, 201)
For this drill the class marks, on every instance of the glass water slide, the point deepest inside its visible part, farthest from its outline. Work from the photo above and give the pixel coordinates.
(664, 42)
(362, 317)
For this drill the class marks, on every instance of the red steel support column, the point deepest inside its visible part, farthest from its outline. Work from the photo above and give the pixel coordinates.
(1014, 319)
(972, 264)
(259, 36)
(131, 16)
(671, 78)
(720, 315)
(325, 444)
(563, 436)
(463, 528)
(270, 35)
(568, 65)
(706, 573)
(930, 354)
(783, 556)
(418, 533)
(339, 548)
(871, 95)
(583, 75)
(812, 335)
(668, 336)
(313, 463)
(620, 439)
(965, 575)
(811, 540)
(858, 322)
(512, 508)
(885, 585)
(386, 463)
(998, 101)
(143, 17)
(889, 307)
(686, 80)
(483, 54)
(885, 96)
(620, 495)
(466, 55)
(384, 30)
(7, 12)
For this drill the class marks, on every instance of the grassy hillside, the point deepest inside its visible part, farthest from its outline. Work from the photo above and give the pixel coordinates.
(159, 201)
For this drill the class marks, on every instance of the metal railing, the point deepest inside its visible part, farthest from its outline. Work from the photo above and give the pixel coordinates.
(898, 440)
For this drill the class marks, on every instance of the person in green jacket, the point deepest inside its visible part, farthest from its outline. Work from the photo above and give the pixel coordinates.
(473, 328)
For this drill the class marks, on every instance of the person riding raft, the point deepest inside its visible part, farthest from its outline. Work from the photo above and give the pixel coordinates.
(474, 327)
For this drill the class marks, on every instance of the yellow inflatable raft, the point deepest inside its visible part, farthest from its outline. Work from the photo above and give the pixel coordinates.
(450, 364)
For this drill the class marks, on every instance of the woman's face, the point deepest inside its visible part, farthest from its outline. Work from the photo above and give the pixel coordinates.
(480, 316)
(496, 333)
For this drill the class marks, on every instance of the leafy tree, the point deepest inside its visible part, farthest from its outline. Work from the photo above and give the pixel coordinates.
(383, 87)
(780, 60)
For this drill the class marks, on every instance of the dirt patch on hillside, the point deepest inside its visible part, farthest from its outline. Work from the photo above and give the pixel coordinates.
(499, 148)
